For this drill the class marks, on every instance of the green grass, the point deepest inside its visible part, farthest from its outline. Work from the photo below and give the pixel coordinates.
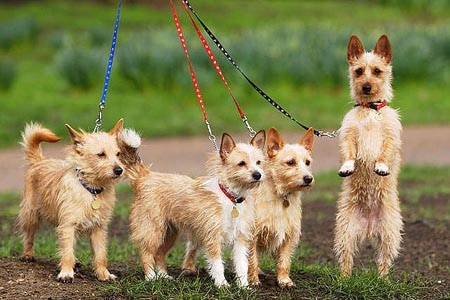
(295, 50)
(314, 280)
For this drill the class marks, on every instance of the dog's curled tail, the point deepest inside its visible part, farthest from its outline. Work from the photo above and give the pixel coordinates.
(32, 137)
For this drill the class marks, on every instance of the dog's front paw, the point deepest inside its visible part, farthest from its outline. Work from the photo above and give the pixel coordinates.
(381, 169)
(285, 283)
(242, 282)
(104, 275)
(347, 168)
(255, 282)
(188, 272)
(28, 258)
(65, 276)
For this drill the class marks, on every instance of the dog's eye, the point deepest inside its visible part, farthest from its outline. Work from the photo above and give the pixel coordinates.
(307, 162)
(359, 71)
(241, 164)
(258, 162)
(376, 71)
(118, 154)
(291, 162)
(101, 154)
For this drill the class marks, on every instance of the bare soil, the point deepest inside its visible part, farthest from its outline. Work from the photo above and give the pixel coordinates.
(426, 242)
(425, 254)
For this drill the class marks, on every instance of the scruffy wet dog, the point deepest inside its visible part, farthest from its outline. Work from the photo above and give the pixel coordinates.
(75, 195)
(370, 145)
(278, 208)
(209, 211)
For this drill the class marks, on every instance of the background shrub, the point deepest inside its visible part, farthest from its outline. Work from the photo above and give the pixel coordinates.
(16, 31)
(8, 73)
(81, 67)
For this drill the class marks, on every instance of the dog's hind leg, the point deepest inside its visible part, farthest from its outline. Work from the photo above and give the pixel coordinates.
(98, 243)
(190, 256)
(389, 239)
(28, 223)
(160, 258)
(347, 234)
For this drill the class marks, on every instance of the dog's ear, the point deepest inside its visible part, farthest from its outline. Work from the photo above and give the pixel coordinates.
(226, 146)
(129, 142)
(117, 128)
(274, 142)
(76, 137)
(383, 48)
(259, 139)
(308, 139)
(354, 48)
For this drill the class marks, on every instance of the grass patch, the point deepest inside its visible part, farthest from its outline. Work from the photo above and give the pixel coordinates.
(314, 280)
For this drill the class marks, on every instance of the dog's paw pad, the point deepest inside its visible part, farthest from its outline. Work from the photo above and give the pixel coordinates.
(347, 168)
(381, 169)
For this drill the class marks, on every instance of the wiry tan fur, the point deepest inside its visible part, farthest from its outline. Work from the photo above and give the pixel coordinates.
(168, 204)
(370, 144)
(53, 193)
(278, 203)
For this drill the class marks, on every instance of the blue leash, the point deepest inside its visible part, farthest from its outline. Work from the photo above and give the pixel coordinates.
(98, 122)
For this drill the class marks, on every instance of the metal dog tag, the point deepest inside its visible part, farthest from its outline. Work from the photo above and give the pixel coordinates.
(234, 212)
(96, 204)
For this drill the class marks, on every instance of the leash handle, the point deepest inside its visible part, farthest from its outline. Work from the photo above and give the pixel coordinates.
(98, 121)
(266, 97)
(198, 93)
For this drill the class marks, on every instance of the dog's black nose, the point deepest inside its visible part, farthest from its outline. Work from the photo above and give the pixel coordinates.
(307, 179)
(256, 175)
(366, 88)
(118, 171)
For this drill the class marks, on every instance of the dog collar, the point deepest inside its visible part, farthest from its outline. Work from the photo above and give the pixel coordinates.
(230, 195)
(92, 190)
(373, 105)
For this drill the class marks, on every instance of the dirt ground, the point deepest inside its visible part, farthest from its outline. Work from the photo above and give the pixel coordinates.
(426, 242)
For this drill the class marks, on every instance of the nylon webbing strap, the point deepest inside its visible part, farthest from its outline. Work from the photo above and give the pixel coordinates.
(259, 90)
(98, 121)
(193, 76)
(219, 72)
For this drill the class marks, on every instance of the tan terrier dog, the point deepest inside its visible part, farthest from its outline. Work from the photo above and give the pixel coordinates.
(75, 195)
(209, 211)
(370, 145)
(278, 203)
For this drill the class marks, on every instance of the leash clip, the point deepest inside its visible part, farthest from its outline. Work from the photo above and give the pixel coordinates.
(332, 134)
(211, 136)
(98, 121)
(250, 129)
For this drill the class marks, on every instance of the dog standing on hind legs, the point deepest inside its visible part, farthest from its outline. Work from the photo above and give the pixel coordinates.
(75, 195)
(370, 144)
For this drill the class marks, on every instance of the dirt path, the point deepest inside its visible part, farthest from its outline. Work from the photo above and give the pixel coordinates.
(428, 145)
